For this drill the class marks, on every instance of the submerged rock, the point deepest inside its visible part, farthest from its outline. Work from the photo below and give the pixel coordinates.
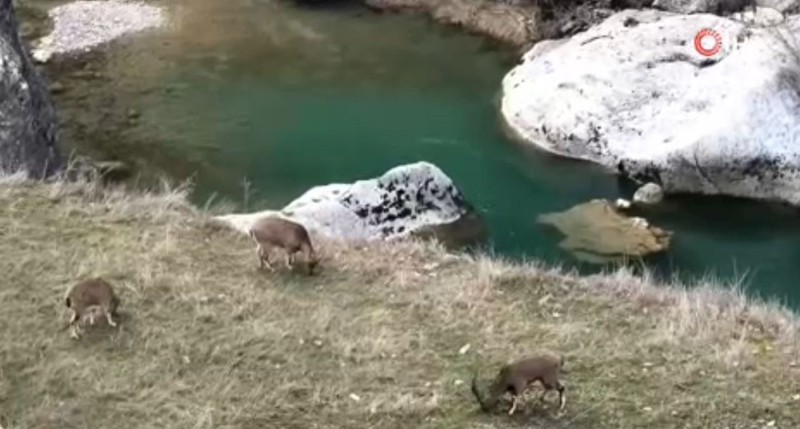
(640, 99)
(414, 199)
(596, 232)
(650, 193)
(28, 123)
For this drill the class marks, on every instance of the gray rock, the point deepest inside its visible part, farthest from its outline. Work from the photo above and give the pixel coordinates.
(650, 193)
(28, 123)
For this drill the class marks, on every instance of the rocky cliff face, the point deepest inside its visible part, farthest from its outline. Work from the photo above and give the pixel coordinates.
(28, 124)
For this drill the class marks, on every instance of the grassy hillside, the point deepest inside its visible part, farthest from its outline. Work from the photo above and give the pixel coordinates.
(208, 341)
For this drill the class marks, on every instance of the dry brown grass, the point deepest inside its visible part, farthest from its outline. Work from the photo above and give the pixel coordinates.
(207, 341)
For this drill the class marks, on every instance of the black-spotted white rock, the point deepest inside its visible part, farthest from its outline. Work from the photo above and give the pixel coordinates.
(28, 123)
(634, 94)
(408, 199)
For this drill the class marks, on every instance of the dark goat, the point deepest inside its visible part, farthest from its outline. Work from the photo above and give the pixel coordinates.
(516, 377)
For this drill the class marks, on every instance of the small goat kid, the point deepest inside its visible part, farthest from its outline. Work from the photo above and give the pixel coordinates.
(273, 231)
(86, 298)
(518, 376)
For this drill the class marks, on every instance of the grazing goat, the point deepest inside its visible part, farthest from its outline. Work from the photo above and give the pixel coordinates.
(86, 297)
(273, 231)
(516, 377)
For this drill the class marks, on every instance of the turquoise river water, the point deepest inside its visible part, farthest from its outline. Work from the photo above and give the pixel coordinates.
(287, 98)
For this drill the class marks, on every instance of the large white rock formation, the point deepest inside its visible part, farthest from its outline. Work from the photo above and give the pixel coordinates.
(405, 200)
(634, 94)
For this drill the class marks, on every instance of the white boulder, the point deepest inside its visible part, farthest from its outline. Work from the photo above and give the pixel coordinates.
(622, 204)
(406, 199)
(650, 193)
(633, 94)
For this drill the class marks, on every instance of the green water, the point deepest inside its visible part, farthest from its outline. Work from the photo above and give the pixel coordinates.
(290, 98)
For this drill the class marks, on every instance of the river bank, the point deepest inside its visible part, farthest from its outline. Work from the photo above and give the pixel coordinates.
(516, 26)
(519, 24)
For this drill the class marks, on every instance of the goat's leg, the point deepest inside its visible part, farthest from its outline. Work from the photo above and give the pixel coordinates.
(309, 258)
(91, 316)
(75, 331)
(289, 259)
(260, 258)
(552, 383)
(110, 321)
(263, 254)
(514, 404)
(518, 389)
(73, 320)
(268, 263)
(74, 317)
(562, 396)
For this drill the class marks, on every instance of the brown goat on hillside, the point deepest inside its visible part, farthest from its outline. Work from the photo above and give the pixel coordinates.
(273, 231)
(516, 377)
(86, 297)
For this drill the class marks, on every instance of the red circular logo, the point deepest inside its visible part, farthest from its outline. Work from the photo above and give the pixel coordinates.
(707, 35)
